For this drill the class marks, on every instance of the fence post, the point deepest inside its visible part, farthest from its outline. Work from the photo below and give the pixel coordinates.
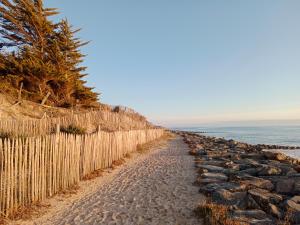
(57, 128)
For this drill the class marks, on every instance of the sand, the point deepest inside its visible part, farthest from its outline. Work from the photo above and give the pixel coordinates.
(152, 188)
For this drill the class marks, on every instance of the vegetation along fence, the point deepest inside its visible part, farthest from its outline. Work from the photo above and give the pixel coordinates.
(34, 168)
(89, 120)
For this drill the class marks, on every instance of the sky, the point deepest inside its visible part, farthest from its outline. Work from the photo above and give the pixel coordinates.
(193, 62)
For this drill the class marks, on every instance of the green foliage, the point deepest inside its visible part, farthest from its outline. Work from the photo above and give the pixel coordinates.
(73, 129)
(43, 55)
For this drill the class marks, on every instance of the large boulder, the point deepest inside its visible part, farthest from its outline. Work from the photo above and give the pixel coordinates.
(229, 186)
(211, 168)
(293, 206)
(275, 211)
(285, 186)
(252, 217)
(274, 155)
(264, 198)
(269, 171)
(257, 182)
(237, 200)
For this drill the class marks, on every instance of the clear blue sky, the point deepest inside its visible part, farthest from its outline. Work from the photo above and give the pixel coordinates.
(193, 61)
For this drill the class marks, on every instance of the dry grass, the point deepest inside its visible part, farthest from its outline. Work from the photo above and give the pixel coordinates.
(25, 212)
(93, 175)
(3, 220)
(70, 191)
(73, 129)
(117, 163)
(213, 214)
(127, 156)
(288, 218)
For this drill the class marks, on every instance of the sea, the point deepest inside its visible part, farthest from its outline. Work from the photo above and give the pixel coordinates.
(272, 135)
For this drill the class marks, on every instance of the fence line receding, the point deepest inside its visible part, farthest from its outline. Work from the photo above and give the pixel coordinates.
(34, 168)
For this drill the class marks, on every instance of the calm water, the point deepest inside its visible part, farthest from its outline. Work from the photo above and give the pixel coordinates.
(273, 135)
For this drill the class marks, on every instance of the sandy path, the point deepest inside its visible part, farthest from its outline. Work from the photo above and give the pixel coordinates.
(154, 189)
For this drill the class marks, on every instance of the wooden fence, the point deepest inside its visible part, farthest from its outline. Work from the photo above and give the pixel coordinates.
(35, 168)
(89, 120)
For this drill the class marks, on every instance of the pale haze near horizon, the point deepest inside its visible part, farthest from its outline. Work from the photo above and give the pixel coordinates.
(193, 62)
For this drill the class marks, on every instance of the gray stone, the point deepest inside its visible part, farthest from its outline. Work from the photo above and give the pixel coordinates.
(251, 203)
(285, 186)
(264, 197)
(257, 182)
(269, 171)
(233, 187)
(250, 171)
(211, 168)
(225, 197)
(293, 205)
(217, 176)
(253, 214)
(274, 155)
(255, 156)
(252, 217)
(201, 181)
(275, 211)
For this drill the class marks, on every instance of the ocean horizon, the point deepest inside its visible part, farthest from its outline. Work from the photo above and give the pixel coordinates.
(271, 135)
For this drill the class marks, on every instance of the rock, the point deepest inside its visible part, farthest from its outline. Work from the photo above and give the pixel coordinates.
(293, 205)
(201, 181)
(269, 154)
(275, 211)
(263, 197)
(193, 152)
(257, 182)
(297, 168)
(232, 165)
(250, 171)
(251, 203)
(211, 168)
(285, 186)
(269, 171)
(241, 145)
(297, 187)
(214, 163)
(225, 197)
(287, 170)
(252, 217)
(199, 147)
(212, 187)
(254, 214)
(217, 176)
(255, 156)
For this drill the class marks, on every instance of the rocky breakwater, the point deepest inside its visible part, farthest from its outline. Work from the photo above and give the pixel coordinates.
(256, 186)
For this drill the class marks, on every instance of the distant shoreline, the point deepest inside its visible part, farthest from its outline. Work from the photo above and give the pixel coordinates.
(290, 151)
(268, 135)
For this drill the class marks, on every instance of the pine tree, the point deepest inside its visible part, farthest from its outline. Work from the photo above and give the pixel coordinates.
(45, 56)
(70, 59)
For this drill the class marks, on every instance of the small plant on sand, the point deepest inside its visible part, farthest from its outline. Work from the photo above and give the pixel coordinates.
(117, 163)
(10, 135)
(127, 155)
(6, 135)
(93, 175)
(213, 214)
(73, 129)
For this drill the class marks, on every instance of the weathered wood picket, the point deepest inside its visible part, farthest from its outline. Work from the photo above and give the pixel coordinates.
(35, 168)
